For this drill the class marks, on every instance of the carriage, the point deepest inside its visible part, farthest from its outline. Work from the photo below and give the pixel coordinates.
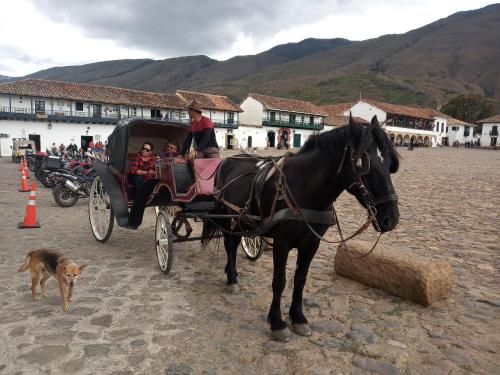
(182, 191)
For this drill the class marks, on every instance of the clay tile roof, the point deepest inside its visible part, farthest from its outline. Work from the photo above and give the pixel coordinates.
(400, 109)
(453, 121)
(495, 118)
(210, 101)
(336, 109)
(289, 105)
(91, 93)
(341, 120)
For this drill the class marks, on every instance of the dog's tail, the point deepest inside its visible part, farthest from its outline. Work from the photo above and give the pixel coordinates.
(25, 266)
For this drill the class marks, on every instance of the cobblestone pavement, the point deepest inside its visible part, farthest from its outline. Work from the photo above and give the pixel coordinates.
(127, 317)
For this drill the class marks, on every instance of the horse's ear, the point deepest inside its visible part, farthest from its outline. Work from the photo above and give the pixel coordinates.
(375, 121)
(351, 120)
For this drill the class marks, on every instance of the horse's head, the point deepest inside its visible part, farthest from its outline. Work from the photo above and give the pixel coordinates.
(369, 161)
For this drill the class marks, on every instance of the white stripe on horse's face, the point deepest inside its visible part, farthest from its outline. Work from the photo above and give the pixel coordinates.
(379, 154)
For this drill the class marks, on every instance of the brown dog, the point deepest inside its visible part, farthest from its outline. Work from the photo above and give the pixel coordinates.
(44, 263)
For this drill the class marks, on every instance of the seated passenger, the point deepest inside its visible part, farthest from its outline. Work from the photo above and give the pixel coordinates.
(142, 166)
(170, 151)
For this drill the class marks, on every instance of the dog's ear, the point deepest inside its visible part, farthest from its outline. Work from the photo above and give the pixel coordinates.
(82, 267)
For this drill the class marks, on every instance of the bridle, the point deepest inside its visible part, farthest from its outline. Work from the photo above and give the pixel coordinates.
(369, 201)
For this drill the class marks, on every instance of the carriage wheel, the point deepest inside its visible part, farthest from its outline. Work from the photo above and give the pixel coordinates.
(253, 247)
(170, 210)
(101, 215)
(164, 242)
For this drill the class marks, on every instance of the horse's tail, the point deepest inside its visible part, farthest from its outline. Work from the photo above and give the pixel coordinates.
(209, 232)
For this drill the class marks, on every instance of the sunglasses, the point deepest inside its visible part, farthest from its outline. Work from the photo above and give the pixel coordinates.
(146, 149)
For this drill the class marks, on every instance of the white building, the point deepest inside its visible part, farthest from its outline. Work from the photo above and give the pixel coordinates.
(405, 124)
(224, 113)
(269, 121)
(489, 135)
(63, 112)
(460, 131)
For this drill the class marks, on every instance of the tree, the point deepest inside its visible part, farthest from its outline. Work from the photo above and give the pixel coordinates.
(469, 108)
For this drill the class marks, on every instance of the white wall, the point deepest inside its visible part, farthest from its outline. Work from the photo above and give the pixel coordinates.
(60, 133)
(253, 112)
(258, 135)
(485, 134)
(366, 111)
(440, 124)
(458, 135)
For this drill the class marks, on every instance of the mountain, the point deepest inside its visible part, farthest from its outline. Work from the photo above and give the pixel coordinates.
(425, 66)
(5, 78)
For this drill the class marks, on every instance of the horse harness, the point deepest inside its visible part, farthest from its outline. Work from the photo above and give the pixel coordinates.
(269, 166)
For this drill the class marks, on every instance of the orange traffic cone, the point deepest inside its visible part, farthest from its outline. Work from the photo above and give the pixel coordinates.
(30, 215)
(24, 182)
(26, 169)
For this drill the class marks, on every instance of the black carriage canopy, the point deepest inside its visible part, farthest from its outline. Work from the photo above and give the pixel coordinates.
(129, 135)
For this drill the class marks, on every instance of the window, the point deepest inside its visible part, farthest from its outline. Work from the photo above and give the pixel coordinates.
(155, 113)
(97, 110)
(39, 106)
(466, 131)
(311, 120)
(20, 99)
(437, 127)
(442, 127)
(272, 116)
(291, 119)
(133, 111)
(78, 106)
(230, 117)
(446, 129)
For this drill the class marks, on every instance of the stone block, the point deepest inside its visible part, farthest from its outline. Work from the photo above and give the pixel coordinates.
(406, 275)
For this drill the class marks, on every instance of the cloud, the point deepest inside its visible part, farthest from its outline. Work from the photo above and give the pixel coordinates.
(187, 27)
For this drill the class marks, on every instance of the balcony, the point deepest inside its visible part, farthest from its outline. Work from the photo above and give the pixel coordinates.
(226, 125)
(16, 113)
(294, 125)
(12, 113)
(410, 123)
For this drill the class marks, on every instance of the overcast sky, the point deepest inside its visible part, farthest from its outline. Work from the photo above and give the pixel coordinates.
(40, 34)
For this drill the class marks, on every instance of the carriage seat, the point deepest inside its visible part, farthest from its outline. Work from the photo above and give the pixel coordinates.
(205, 171)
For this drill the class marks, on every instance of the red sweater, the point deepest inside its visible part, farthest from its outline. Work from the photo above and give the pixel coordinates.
(203, 133)
(137, 163)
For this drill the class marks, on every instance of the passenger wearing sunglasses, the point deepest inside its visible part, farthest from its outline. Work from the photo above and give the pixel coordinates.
(142, 166)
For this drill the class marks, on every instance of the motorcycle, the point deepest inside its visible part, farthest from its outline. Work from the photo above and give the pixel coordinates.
(72, 187)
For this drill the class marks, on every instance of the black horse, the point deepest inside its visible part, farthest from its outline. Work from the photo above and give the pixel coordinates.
(357, 158)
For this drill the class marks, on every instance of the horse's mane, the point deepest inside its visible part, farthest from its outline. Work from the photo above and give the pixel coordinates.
(329, 141)
(336, 139)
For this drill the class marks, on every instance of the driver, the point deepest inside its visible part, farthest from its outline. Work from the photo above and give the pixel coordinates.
(201, 129)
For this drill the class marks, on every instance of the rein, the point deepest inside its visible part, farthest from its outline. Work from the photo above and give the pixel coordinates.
(283, 192)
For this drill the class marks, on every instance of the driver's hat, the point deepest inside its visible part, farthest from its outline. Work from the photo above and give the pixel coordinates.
(195, 106)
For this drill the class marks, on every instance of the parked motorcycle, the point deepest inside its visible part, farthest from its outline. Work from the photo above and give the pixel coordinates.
(72, 187)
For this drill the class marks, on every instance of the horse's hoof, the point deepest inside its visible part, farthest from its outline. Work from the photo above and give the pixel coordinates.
(302, 329)
(232, 289)
(281, 335)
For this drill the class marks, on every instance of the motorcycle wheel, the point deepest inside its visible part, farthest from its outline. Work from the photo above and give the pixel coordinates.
(46, 180)
(64, 197)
